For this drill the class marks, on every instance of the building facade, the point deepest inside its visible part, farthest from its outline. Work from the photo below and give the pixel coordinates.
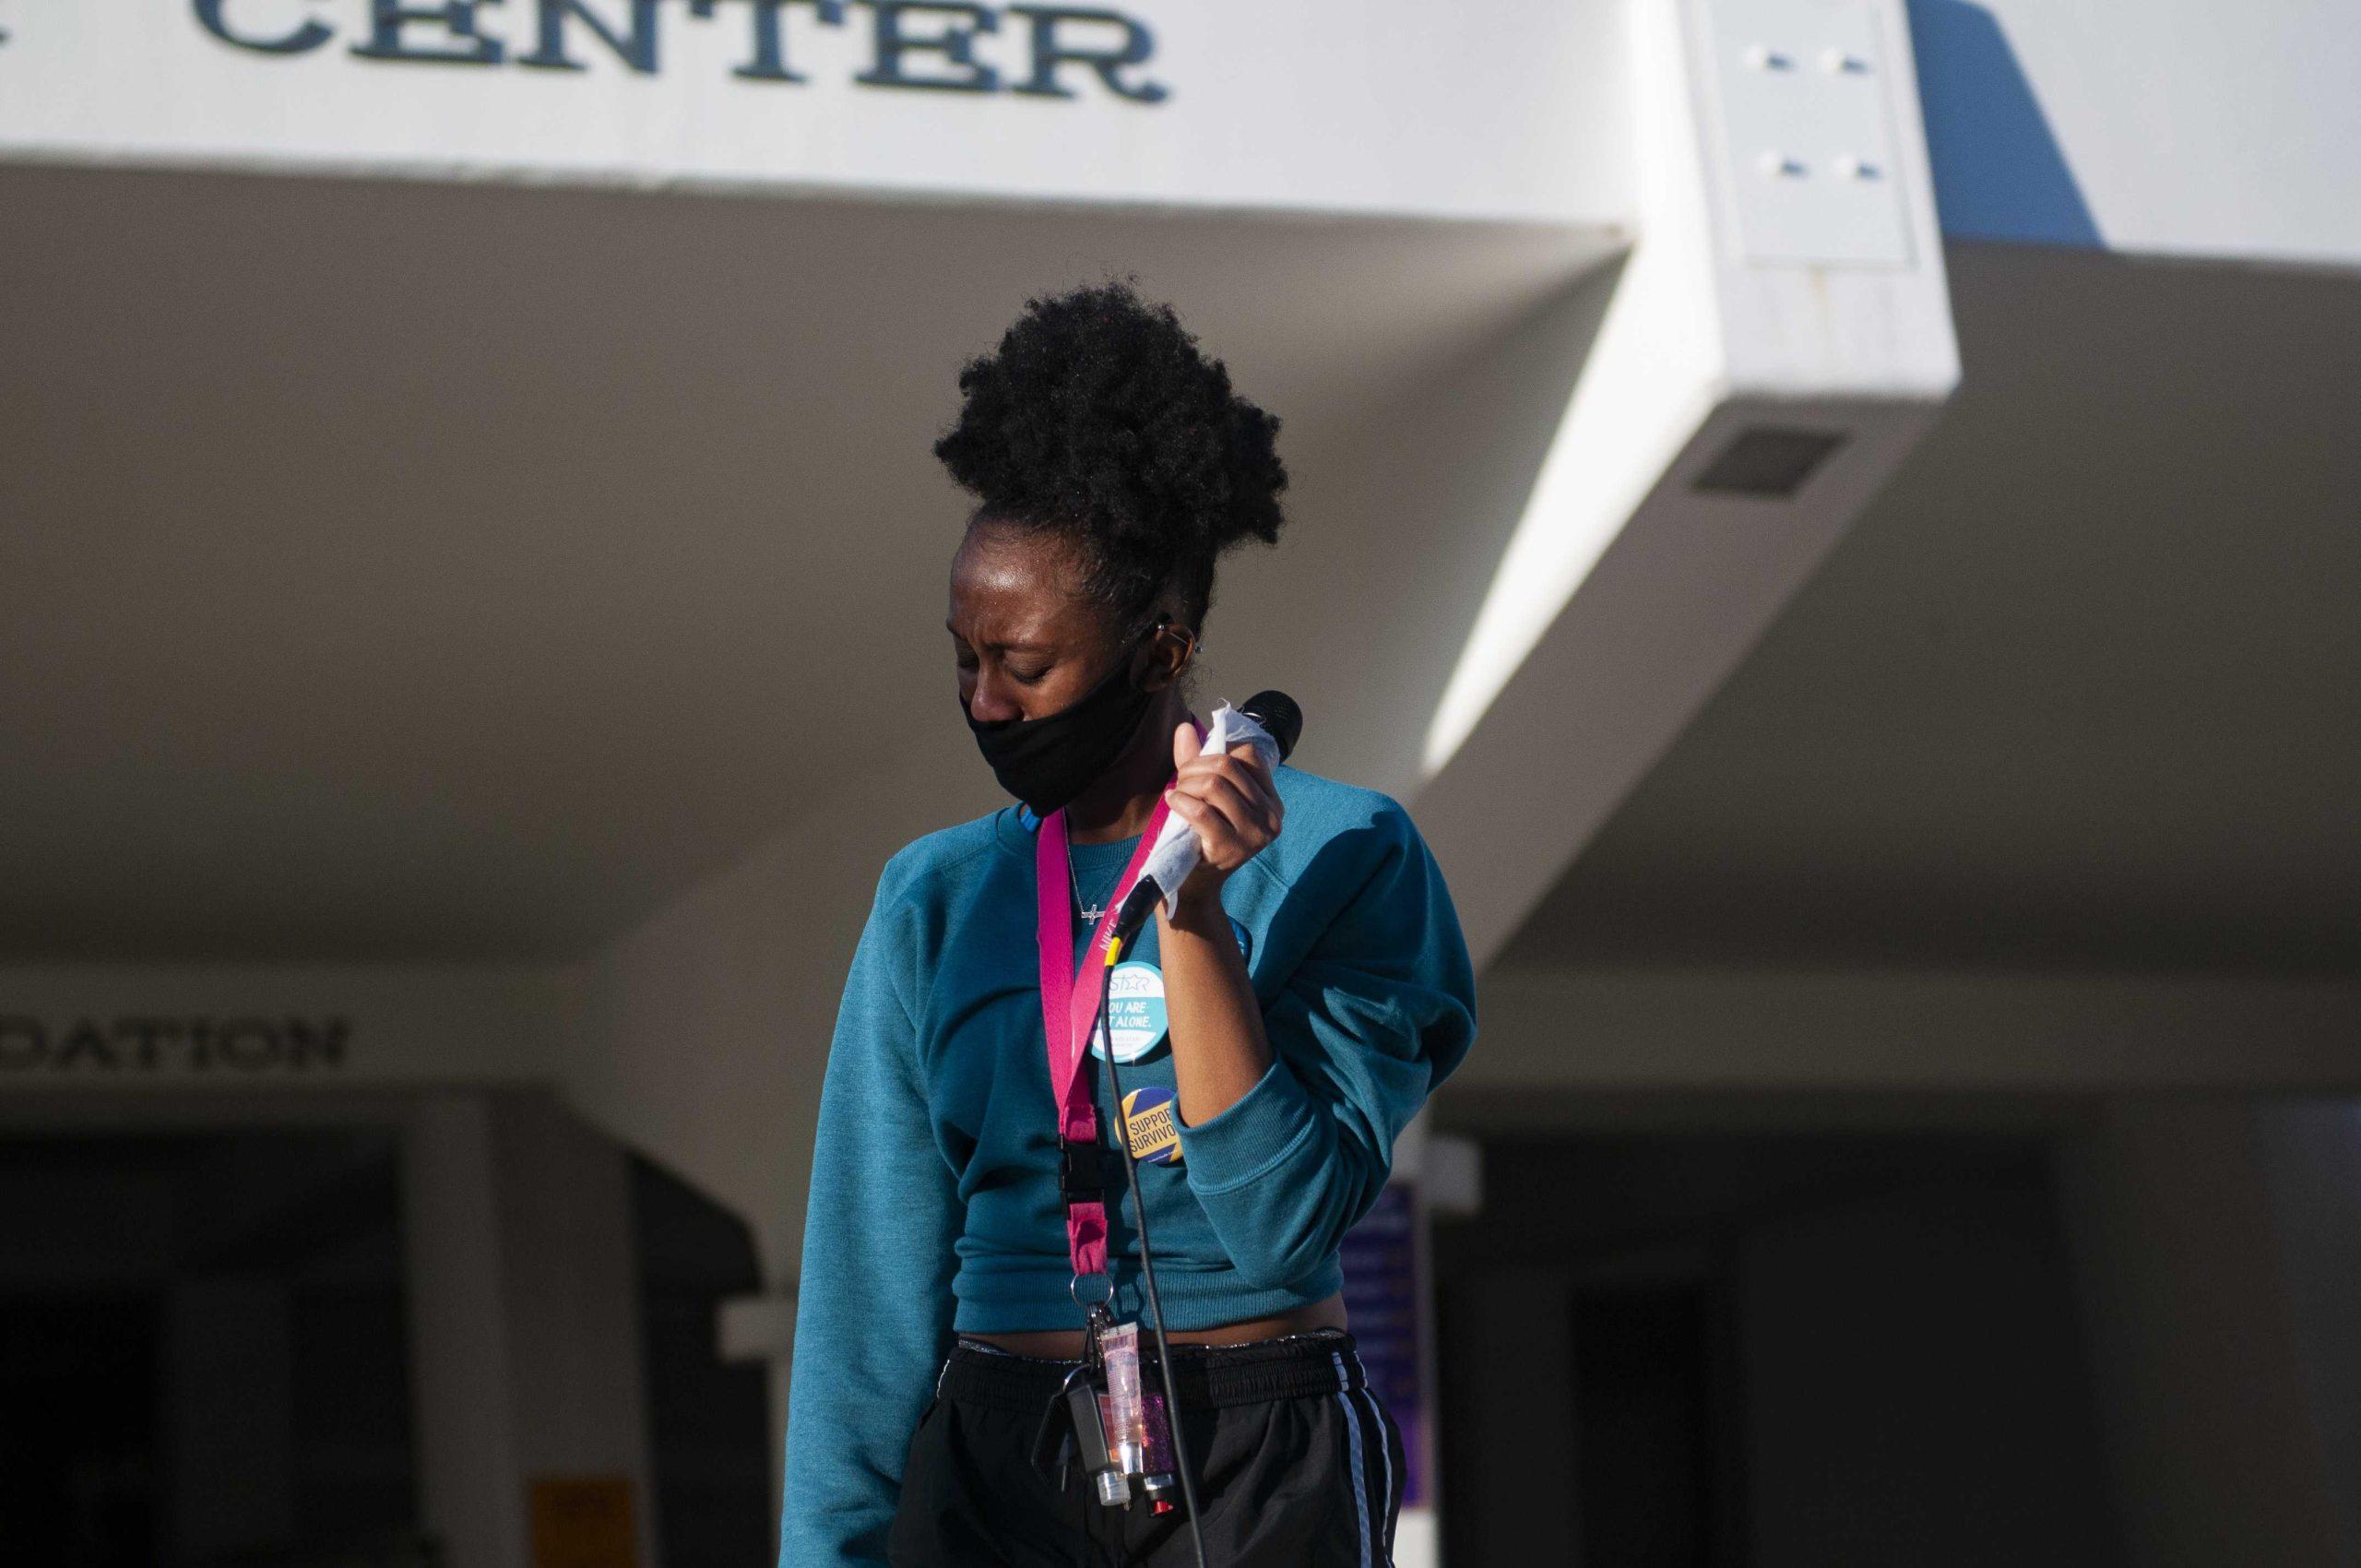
(1832, 514)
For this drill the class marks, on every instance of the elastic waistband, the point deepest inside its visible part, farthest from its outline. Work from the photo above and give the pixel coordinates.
(1293, 1366)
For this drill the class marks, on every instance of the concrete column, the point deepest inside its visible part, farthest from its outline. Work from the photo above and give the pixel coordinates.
(462, 1387)
(2200, 1374)
(570, 1298)
(1445, 1172)
(525, 1337)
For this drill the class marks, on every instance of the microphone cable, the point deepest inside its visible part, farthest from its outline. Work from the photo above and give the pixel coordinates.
(1105, 1031)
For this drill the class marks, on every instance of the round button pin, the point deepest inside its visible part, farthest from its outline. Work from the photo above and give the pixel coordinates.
(1135, 1017)
(1148, 1116)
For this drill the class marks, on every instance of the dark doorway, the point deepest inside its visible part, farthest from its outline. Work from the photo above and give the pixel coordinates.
(202, 1352)
(1645, 1434)
(1676, 1350)
(78, 1428)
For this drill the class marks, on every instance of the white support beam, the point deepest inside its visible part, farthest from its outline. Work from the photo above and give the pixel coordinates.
(1763, 304)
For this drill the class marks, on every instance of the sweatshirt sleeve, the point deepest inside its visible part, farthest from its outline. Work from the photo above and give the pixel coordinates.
(1380, 1010)
(874, 1305)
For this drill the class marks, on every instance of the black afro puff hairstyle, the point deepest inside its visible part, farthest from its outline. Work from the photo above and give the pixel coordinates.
(1098, 419)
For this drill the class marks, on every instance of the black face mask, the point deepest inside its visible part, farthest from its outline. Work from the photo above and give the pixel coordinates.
(1047, 761)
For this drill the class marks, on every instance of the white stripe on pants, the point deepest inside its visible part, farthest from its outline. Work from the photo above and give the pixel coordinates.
(1360, 1481)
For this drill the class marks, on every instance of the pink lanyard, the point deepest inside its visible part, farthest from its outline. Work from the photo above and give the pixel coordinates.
(1069, 1006)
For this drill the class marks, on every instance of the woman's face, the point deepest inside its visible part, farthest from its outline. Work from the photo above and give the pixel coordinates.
(1028, 643)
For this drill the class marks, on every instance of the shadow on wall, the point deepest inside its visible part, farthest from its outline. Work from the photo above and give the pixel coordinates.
(1483, 428)
(2000, 174)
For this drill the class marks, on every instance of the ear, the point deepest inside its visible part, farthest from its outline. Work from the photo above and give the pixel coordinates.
(1168, 653)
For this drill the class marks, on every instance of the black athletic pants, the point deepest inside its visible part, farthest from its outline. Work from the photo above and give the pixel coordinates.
(1296, 1462)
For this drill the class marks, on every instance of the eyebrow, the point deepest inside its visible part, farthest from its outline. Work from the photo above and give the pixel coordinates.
(1026, 647)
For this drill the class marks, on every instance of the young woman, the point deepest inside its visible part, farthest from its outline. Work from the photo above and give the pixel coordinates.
(1277, 1027)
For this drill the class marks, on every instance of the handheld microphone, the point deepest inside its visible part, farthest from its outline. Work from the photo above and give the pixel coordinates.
(1273, 722)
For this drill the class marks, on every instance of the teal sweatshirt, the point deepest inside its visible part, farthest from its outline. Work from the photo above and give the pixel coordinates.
(935, 1202)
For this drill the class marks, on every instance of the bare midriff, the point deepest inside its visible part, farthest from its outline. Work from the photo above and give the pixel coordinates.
(1065, 1344)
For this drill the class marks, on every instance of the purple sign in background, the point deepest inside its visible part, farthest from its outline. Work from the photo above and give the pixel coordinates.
(1381, 1261)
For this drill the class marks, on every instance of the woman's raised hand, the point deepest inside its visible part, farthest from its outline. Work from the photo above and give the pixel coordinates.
(1229, 799)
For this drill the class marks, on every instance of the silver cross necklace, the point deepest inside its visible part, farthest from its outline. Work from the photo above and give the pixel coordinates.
(1091, 913)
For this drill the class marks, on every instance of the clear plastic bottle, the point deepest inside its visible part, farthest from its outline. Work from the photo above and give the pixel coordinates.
(1139, 1436)
(1126, 1416)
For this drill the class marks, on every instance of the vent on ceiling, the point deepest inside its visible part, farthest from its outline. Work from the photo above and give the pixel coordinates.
(1768, 462)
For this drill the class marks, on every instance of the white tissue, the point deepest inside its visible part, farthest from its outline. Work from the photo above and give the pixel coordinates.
(1177, 851)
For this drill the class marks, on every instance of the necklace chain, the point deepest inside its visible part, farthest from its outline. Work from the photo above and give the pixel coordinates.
(1091, 913)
